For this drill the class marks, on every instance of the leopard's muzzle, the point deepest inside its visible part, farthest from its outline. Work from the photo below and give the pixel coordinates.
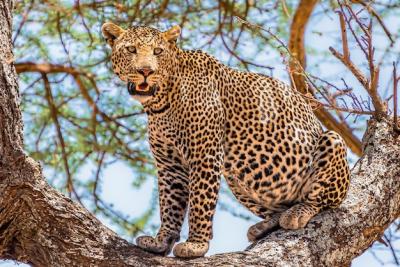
(143, 89)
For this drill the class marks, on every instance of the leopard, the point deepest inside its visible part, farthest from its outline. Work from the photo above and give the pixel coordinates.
(208, 121)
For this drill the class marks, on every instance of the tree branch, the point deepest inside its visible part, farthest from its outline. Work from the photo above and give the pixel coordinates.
(47, 68)
(41, 227)
(372, 11)
(353, 68)
(297, 66)
(54, 116)
(371, 84)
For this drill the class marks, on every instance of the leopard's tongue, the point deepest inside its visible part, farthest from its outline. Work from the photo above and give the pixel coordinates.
(143, 86)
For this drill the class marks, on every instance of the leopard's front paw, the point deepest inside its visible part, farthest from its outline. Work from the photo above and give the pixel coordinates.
(162, 246)
(191, 249)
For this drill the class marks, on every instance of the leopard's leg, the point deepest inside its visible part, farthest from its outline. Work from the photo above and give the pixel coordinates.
(202, 203)
(270, 218)
(298, 216)
(263, 228)
(269, 223)
(173, 198)
(326, 182)
(205, 160)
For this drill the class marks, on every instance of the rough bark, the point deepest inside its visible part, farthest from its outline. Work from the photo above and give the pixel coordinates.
(40, 226)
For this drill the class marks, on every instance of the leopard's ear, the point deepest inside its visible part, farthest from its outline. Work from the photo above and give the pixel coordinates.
(172, 34)
(111, 32)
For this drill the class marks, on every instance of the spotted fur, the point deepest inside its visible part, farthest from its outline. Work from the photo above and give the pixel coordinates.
(206, 119)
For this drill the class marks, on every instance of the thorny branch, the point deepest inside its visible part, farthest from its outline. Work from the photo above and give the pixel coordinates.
(371, 84)
(372, 11)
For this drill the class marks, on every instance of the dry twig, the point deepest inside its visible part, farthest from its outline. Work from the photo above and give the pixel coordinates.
(54, 115)
(371, 84)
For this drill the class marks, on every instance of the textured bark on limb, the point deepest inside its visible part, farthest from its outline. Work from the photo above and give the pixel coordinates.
(298, 65)
(40, 226)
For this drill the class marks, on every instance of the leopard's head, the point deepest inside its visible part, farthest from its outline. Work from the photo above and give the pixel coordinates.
(143, 57)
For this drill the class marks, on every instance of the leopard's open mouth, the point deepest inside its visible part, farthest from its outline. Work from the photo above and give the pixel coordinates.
(142, 89)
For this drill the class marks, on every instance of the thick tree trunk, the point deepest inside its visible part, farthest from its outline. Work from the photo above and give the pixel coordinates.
(40, 226)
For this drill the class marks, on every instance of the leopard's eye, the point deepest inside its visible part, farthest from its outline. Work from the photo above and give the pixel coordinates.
(157, 51)
(131, 49)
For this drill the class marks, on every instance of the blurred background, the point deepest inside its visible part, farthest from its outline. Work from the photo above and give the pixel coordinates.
(90, 136)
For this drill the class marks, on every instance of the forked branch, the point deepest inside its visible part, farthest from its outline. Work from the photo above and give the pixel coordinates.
(364, 43)
(297, 66)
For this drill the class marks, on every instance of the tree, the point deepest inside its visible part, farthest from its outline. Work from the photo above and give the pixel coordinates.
(40, 226)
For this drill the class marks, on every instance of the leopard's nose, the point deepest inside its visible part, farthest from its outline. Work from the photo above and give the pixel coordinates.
(146, 71)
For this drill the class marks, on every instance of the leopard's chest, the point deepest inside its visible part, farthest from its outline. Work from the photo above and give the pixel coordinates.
(166, 134)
